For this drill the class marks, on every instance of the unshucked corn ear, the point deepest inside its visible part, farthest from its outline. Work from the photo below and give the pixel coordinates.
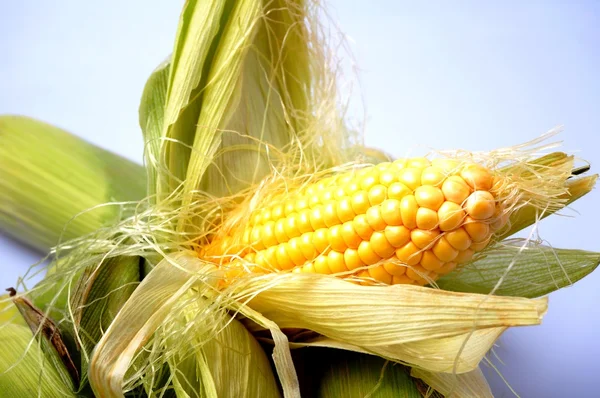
(402, 222)
(51, 179)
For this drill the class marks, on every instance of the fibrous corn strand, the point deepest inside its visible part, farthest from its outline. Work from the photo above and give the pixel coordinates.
(407, 221)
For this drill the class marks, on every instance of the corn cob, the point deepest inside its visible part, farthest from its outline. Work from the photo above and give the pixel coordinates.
(411, 220)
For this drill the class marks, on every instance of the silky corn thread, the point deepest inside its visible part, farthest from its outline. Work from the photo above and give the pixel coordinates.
(415, 218)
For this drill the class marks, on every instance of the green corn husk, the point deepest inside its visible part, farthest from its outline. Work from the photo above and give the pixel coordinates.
(51, 179)
(331, 373)
(156, 308)
(31, 366)
(26, 370)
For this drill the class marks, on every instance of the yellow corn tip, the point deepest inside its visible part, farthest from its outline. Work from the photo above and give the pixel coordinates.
(412, 220)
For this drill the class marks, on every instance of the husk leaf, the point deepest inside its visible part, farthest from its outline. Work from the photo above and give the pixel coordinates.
(457, 354)
(151, 119)
(402, 323)
(50, 179)
(252, 97)
(56, 344)
(155, 315)
(99, 295)
(26, 370)
(522, 270)
(465, 385)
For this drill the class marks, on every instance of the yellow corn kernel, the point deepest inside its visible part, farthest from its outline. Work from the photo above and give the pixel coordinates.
(295, 252)
(390, 212)
(367, 254)
(335, 238)
(381, 246)
(429, 197)
(321, 265)
(289, 207)
(344, 210)
(352, 188)
(411, 177)
(478, 231)
(330, 214)
(320, 239)
(395, 269)
(271, 258)
(284, 261)
(448, 166)
(419, 163)
(430, 262)
(370, 180)
(400, 163)
(317, 219)
(362, 227)
(408, 211)
(478, 177)
(380, 274)
(480, 205)
(427, 218)
(409, 254)
(301, 204)
(464, 256)
(459, 239)
(450, 216)
(268, 234)
(304, 221)
(374, 219)
(336, 262)
(280, 234)
(433, 176)
(444, 250)
(397, 191)
(423, 238)
(398, 236)
(377, 194)
(352, 259)
(417, 273)
(455, 189)
(307, 247)
(314, 200)
(291, 226)
(309, 268)
(387, 177)
(349, 235)
(277, 212)
(360, 202)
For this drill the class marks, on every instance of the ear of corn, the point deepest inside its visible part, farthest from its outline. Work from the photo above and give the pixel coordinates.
(53, 183)
(416, 219)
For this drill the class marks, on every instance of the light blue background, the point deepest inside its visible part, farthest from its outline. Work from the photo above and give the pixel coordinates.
(465, 75)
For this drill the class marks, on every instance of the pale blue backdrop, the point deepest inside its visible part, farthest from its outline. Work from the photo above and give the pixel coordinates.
(471, 75)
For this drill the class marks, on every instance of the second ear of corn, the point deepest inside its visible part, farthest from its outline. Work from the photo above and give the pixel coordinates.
(402, 222)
